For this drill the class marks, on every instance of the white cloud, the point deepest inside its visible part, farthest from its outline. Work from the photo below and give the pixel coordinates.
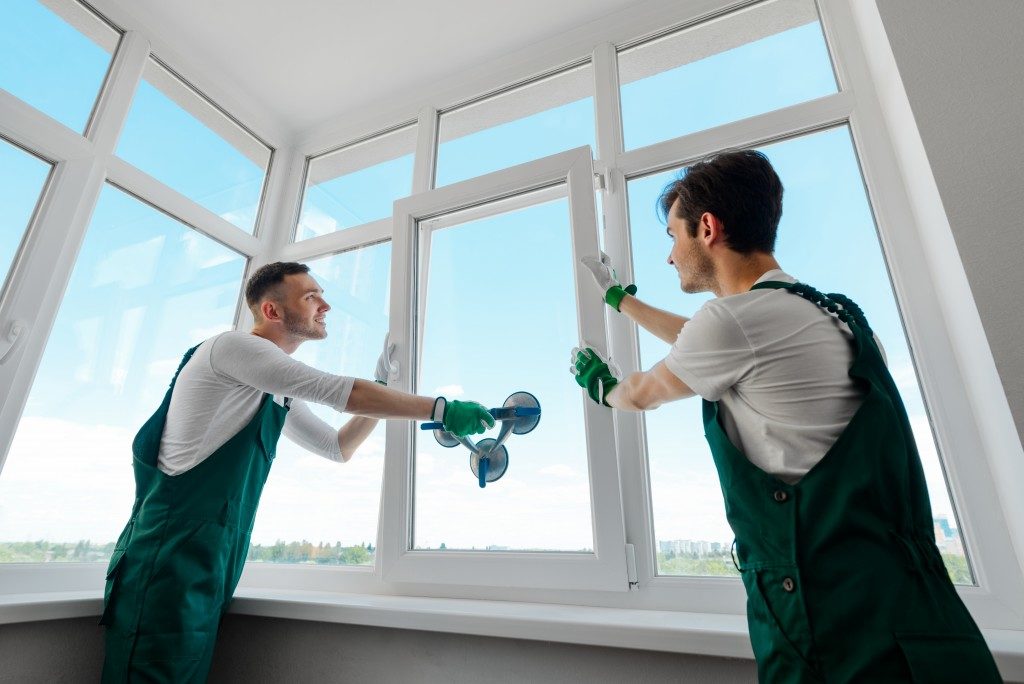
(450, 391)
(317, 222)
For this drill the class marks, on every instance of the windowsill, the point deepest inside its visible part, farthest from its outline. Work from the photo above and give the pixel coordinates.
(654, 630)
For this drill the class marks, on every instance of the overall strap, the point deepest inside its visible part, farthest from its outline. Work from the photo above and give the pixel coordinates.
(184, 360)
(845, 309)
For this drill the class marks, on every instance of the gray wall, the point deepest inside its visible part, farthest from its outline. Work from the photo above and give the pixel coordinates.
(961, 63)
(252, 650)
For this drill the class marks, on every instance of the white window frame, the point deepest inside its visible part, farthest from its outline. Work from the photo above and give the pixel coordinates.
(975, 430)
(82, 165)
(605, 567)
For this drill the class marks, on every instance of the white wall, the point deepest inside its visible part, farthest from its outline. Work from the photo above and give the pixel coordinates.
(962, 65)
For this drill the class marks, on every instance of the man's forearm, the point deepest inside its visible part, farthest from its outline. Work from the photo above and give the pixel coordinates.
(648, 390)
(353, 433)
(664, 325)
(624, 395)
(373, 400)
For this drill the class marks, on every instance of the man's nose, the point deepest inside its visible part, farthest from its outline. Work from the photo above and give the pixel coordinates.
(324, 306)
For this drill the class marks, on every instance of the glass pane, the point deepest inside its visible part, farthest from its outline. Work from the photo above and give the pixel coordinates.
(825, 213)
(181, 139)
(314, 510)
(753, 61)
(357, 184)
(145, 289)
(22, 177)
(530, 122)
(56, 63)
(501, 318)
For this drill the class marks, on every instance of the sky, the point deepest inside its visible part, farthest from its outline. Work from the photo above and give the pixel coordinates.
(500, 305)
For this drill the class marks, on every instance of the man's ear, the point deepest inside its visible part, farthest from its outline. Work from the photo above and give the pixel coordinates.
(712, 230)
(269, 310)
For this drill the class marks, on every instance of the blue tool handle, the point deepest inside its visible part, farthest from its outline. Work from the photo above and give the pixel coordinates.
(502, 413)
(481, 467)
(523, 411)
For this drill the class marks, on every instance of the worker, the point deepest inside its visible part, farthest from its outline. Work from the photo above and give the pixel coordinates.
(201, 460)
(822, 480)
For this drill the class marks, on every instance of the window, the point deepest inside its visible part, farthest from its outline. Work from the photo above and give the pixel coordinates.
(491, 329)
(145, 289)
(825, 212)
(313, 510)
(55, 62)
(180, 138)
(357, 184)
(543, 117)
(749, 62)
(22, 178)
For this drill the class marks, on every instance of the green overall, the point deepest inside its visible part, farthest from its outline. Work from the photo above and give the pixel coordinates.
(178, 560)
(844, 581)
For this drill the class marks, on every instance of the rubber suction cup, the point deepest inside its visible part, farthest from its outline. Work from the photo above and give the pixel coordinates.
(446, 439)
(523, 424)
(498, 461)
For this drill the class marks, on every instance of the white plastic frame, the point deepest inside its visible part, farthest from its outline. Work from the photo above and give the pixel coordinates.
(605, 568)
(984, 459)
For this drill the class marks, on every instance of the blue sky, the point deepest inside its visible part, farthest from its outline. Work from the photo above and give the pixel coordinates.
(500, 305)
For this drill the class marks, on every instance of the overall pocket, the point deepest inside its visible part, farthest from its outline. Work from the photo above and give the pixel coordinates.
(948, 658)
(780, 632)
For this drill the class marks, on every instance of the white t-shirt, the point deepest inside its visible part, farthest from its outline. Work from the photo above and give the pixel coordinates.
(220, 389)
(778, 364)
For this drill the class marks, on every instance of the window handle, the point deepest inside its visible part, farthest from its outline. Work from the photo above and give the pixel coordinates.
(14, 331)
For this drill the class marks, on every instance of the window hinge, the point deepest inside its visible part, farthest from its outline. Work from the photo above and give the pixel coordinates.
(631, 568)
(599, 181)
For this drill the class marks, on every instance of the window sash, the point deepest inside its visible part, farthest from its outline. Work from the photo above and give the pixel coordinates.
(605, 568)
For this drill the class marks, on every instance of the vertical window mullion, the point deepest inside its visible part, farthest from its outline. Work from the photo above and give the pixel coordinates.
(622, 333)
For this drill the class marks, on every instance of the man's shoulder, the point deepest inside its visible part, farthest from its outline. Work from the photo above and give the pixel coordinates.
(237, 343)
(239, 338)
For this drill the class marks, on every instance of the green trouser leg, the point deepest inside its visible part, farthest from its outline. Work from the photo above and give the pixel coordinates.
(844, 581)
(178, 561)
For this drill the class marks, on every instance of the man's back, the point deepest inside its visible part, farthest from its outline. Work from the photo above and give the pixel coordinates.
(778, 365)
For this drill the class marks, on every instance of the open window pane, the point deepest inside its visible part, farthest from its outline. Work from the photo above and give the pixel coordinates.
(145, 289)
(22, 177)
(749, 62)
(357, 184)
(827, 238)
(55, 60)
(501, 318)
(314, 510)
(535, 120)
(180, 138)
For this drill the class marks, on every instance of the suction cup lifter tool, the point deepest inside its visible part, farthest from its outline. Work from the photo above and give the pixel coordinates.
(488, 458)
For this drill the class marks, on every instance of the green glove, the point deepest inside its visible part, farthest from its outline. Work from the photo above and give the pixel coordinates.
(604, 276)
(592, 374)
(462, 418)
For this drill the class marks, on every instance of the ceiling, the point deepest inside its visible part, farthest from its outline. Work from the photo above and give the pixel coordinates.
(305, 62)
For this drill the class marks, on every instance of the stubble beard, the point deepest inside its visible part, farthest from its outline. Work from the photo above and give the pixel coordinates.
(701, 271)
(302, 328)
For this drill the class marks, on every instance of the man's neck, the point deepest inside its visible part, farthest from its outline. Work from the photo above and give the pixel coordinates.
(282, 340)
(739, 273)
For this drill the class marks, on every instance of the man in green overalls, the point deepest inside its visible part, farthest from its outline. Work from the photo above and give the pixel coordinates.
(822, 481)
(201, 461)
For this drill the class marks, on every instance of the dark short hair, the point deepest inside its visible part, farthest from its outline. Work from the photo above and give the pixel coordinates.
(268, 277)
(739, 187)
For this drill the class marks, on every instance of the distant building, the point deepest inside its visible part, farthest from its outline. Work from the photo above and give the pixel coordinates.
(689, 547)
(947, 537)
